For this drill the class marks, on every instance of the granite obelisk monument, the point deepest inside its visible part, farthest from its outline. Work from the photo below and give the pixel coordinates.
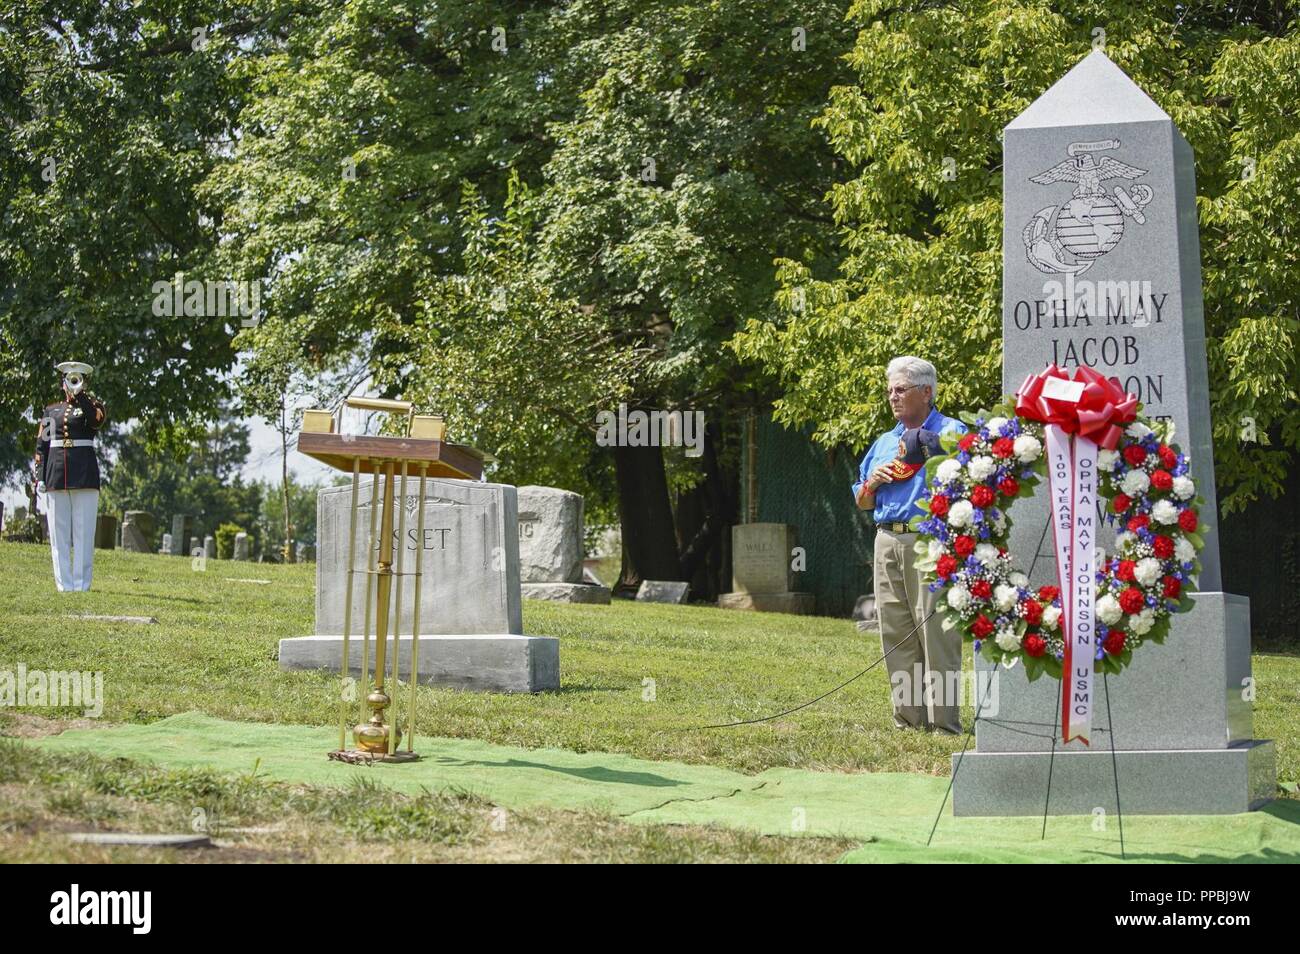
(1101, 267)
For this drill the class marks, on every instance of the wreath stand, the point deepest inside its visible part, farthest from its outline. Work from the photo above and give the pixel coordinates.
(1055, 736)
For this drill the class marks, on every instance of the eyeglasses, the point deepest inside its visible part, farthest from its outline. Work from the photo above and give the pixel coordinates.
(900, 391)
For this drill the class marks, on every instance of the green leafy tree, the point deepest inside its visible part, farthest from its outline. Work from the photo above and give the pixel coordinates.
(271, 519)
(547, 363)
(205, 482)
(111, 114)
(670, 149)
(921, 255)
(690, 165)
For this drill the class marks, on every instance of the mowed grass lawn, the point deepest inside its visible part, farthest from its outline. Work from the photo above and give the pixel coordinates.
(214, 649)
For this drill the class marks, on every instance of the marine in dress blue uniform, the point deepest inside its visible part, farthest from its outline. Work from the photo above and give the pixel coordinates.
(68, 474)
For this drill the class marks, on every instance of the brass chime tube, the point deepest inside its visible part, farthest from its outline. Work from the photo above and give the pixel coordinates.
(347, 605)
(385, 572)
(397, 603)
(371, 549)
(415, 610)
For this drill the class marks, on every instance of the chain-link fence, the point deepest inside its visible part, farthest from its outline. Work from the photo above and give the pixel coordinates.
(802, 484)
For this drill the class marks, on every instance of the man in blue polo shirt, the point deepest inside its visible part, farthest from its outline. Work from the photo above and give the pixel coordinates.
(925, 666)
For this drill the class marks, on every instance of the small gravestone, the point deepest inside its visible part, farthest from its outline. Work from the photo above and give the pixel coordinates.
(865, 615)
(762, 570)
(550, 547)
(241, 546)
(138, 528)
(167, 543)
(105, 531)
(182, 527)
(662, 591)
(1115, 284)
(210, 547)
(304, 553)
(471, 619)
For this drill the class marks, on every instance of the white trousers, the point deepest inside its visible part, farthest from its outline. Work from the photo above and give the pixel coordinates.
(72, 535)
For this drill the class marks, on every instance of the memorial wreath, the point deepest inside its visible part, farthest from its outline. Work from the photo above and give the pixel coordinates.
(1086, 436)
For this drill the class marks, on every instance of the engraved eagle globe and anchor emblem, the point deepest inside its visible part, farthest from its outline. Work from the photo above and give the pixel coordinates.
(1068, 239)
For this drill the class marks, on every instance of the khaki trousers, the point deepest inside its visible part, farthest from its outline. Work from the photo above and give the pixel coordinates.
(925, 668)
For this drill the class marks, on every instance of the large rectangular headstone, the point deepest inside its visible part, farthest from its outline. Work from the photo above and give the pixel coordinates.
(471, 623)
(1101, 267)
(471, 557)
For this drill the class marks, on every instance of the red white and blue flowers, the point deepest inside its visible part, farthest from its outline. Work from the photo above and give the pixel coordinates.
(1153, 571)
(964, 538)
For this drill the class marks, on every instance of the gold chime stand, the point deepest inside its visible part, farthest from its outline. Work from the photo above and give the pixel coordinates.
(375, 740)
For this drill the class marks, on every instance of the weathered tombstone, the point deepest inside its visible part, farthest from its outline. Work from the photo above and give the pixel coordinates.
(1183, 724)
(105, 531)
(471, 621)
(182, 526)
(305, 553)
(137, 531)
(550, 547)
(195, 547)
(662, 591)
(241, 546)
(210, 547)
(167, 543)
(762, 570)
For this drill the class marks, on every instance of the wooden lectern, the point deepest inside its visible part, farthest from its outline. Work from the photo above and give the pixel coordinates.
(424, 450)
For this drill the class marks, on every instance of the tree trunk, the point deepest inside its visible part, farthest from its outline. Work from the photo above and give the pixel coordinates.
(646, 516)
(705, 516)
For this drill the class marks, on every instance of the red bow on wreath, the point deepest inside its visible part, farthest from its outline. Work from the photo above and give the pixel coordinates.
(1090, 405)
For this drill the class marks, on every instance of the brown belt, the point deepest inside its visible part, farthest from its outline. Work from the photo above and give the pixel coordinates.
(895, 527)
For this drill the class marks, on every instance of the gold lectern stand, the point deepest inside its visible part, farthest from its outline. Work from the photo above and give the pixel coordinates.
(423, 448)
